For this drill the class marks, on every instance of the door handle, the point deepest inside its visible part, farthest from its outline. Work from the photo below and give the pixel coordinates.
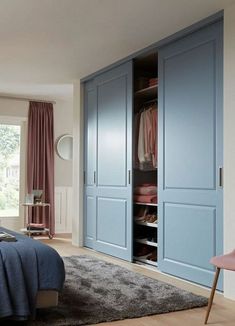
(220, 176)
(94, 177)
(129, 177)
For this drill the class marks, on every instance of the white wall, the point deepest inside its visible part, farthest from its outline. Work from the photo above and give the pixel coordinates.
(63, 124)
(77, 224)
(229, 143)
(13, 108)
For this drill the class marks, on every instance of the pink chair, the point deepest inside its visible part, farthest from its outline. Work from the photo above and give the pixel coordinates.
(221, 262)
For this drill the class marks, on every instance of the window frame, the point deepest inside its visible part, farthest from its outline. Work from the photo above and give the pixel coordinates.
(22, 122)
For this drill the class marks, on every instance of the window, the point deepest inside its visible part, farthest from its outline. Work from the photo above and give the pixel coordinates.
(9, 170)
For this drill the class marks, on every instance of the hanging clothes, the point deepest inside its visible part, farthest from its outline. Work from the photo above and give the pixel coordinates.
(141, 142)
(136, 138)
(154, 140)
(146, 141)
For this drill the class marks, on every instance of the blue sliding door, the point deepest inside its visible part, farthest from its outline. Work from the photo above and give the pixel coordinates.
(90, 131)
(191, 154)
(108, 164)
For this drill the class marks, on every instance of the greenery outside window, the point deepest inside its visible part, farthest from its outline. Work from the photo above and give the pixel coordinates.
(9, 170)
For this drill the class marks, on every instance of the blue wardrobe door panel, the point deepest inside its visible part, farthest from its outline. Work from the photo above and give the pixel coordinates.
(91, 214)
(189, 104)
(112, 141)
(108, 147)
(189, 234)
(90, 122)
(190, 153)
(112, 221)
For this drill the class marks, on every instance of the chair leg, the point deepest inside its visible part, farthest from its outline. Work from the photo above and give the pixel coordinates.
(212, 294)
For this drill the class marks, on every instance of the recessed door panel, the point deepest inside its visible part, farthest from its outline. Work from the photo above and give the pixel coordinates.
(111, 142)
(89, 221)
(112, 215)
(190, 117)
(185, 246)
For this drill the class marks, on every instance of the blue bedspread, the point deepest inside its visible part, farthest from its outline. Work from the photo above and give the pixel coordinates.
(26, 266)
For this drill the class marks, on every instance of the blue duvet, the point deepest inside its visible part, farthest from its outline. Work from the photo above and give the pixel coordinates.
(26, 266)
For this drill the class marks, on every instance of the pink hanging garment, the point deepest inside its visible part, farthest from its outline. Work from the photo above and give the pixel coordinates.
(148, 136)
(154, 140)
(141, 142)
(136, 139)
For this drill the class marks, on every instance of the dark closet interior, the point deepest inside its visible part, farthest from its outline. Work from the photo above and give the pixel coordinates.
(145, 132)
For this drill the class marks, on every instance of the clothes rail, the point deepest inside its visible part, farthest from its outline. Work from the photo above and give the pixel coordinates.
(151, 101)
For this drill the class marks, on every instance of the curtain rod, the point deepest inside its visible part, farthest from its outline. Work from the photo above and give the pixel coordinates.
(7, 97)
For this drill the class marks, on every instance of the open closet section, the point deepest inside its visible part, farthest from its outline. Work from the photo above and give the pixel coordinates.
(145, 148)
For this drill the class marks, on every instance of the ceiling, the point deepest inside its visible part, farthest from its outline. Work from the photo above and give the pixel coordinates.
(46, 45)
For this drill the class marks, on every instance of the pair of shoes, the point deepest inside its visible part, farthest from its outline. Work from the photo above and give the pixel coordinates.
(151, 218)
(140, 219)
(141, 212)
(143, 250)
(152, 256)
(152, 239)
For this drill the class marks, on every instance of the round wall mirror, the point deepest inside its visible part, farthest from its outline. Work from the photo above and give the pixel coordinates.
(64, 147)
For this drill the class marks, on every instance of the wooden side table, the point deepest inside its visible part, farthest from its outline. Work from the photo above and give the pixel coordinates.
(27, 230)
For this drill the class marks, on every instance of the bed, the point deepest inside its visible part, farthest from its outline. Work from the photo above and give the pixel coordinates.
(31, 273)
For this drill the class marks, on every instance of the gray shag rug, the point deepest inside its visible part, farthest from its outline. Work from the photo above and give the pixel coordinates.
(96, 291)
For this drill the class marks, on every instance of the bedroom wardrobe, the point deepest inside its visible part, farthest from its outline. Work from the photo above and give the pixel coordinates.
(153, 156)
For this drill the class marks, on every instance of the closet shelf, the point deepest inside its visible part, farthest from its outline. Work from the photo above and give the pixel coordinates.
(152, 225)
(147, 93)
(146, 261)
(149, 243)
(148, 170)
(147, 204)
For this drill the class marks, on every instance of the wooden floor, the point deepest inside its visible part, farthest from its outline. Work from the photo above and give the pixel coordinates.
(223, 310)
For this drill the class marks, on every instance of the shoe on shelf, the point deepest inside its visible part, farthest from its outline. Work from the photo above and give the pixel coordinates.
(139, 219)
(150, 218)
(152, 256)
(142, 212)
(143, 250)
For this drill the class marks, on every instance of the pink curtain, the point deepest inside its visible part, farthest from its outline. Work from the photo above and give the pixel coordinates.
(40, 159)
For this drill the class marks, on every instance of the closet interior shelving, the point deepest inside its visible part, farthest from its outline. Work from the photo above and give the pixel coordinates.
(145, 93)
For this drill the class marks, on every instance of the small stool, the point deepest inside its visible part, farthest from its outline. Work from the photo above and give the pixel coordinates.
(221, 262)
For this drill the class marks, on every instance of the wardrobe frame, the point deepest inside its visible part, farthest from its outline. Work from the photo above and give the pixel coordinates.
(154, 47)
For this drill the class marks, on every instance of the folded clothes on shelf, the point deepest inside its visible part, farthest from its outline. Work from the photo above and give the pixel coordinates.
(145, 189)
(145, 199)
(145, 193)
